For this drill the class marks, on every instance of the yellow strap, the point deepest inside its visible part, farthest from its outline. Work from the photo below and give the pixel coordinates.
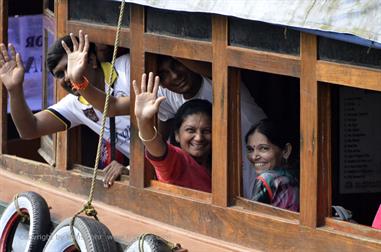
(106, 67)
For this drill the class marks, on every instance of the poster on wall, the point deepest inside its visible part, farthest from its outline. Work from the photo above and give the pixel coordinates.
(360, 141)
(25, 33)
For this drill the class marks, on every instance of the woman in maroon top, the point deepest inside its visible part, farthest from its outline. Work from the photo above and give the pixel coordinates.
(189, 164)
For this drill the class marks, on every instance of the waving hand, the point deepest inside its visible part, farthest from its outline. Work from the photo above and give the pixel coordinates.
(147, 105)
(146, 101)
(77, 59)
(11, 68)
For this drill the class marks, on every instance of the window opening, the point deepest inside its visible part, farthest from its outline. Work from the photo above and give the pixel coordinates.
(188, 95)
(356, 180)
(278, 97)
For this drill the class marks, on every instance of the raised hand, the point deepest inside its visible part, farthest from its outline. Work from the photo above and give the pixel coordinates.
(77, 59)
(146, 101)
(11, 68)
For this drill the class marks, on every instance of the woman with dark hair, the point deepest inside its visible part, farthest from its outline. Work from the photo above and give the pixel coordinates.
(269, 150)
(187, 165)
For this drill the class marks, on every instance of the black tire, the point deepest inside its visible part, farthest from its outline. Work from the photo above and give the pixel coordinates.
(91, 235)
(36, 230)
(150, 243)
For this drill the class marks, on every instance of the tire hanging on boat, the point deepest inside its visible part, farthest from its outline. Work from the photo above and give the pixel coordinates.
(90, 234)
(149, 243)
(29, 231)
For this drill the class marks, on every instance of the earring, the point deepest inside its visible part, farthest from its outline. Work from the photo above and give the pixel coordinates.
(284, 161)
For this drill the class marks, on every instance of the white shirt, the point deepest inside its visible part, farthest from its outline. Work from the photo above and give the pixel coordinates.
(173, 101)
(72, 112)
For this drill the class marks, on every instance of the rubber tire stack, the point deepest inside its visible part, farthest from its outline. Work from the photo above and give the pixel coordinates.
(91, 235)
(148, 243)
(33, 205)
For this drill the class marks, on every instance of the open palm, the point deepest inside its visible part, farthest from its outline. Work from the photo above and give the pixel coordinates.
(11, 68)
(77, 59)
(146, 101)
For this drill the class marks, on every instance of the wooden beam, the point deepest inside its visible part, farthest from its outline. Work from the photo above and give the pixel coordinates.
(220, 138)
(179, 191)
(264, 61)
(103, 34)
(61, 13)
(352, 228)
(62, 139)
(308, 132)
(258, 207)
(256, 230)
(3, 90)
(348, 75)
(178, 47)
(48, 21)
(48, 147)
(324, 154)
(235, 153)
(137, 174)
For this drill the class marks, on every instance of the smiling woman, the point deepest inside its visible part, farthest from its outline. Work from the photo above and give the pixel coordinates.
(188, 161)
(268, 150)
(189, 164)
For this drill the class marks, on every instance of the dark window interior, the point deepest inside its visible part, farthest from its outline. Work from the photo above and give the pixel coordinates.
(89, 149)
(19, 7)
(263, 36)
(51, 5)
(279, 98)
(100, 12)
(343, 52)
(179, 24)
(356, 180)
(277, 95)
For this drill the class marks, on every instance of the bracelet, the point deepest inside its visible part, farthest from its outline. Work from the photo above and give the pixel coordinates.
(80, 86)
(151, 139)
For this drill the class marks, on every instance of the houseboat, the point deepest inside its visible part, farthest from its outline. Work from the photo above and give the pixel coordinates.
(314, 66)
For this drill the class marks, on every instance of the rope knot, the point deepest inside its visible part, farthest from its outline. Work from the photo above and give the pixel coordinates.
(24, 218)
(90, 211)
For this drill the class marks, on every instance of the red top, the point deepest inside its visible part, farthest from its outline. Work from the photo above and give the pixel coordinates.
(179, 168)
(377, 219)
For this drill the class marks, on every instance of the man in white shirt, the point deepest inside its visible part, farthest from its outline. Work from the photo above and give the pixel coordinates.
(75, 108)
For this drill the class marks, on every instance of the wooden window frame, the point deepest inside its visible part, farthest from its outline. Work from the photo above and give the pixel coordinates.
(4, 94)
(47, 143)
(226, 216)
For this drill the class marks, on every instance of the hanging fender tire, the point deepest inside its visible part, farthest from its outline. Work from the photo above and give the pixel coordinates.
(148, 243)
(30, 236)
(90, 234)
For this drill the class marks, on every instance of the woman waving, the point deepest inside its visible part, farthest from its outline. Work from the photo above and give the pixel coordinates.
(187, 165)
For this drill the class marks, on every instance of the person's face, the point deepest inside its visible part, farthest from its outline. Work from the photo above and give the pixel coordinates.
(60, 74)
(195, 135)
(179, 79)
(262, 154)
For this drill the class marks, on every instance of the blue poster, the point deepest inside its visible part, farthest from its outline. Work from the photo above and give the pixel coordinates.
(25, 33)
